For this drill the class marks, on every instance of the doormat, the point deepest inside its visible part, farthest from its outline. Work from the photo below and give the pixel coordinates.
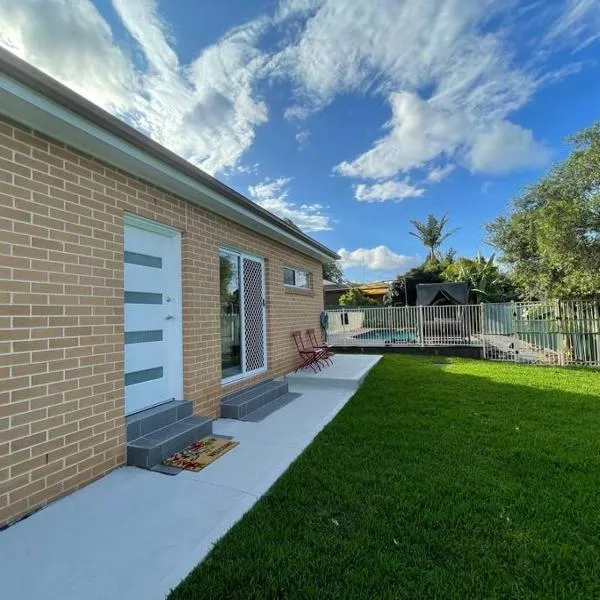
(200, 454)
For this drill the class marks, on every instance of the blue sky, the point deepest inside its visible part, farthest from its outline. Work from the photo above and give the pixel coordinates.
(351, 118)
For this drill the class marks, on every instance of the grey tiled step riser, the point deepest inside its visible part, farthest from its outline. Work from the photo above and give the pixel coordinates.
(252, 404)
(152, 449)
(264, 411)
(244, 396)
(239, 411)
(254, 390)
(143, 423)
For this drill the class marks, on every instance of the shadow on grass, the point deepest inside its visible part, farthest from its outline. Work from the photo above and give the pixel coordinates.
(462, 480)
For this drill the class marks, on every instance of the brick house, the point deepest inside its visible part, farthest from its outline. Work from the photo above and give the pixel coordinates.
(130, 281)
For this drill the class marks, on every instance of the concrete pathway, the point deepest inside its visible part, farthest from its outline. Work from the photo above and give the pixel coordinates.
(136, 534)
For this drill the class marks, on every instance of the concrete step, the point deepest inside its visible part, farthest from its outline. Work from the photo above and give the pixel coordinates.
(142, 423)
(240, 404)
(259, 388)
(347, 371)
(152, 448)
(264, 411)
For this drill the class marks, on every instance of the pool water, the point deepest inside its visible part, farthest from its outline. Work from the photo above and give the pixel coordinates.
(387, 335)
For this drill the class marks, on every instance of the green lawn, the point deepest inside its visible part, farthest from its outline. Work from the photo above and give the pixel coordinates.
(467, 479)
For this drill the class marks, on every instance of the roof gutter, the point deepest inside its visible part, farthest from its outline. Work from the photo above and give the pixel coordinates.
(30, 97)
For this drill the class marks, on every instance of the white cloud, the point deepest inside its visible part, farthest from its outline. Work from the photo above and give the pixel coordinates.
(302, 138)
(272, 194)
(380, 258)
(578, 24)
(73, 43)
(506, 147)
(448, 70)
(387, 190)
(417, 134)
(486, 186)
(438, 174)
(206, 111)
(395, 46)
(295, 8)
(245, 169)
(296, 112)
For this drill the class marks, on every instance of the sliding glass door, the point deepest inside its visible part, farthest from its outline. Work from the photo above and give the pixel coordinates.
(243, 319)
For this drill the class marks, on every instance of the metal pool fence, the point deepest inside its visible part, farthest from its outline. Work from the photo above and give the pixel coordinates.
(559, 333)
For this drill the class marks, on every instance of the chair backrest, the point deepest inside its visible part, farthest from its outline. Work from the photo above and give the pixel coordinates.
(297, 335)
(312, 336)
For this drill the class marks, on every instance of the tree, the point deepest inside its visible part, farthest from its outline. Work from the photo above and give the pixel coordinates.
(226, 277)
(333, 272)
(450, 256)
(354, 297)
(551, 240)
(488, 283)
(431, 233)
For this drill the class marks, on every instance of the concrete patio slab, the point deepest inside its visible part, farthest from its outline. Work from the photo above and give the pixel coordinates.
(136, 534)
(347, 371)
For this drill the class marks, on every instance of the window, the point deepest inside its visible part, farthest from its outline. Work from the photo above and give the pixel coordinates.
(231, 331)
(296, 278)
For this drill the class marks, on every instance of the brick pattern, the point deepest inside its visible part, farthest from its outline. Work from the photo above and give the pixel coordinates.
(61, 312)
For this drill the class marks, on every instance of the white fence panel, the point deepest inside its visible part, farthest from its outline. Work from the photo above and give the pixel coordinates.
(558, 333)
(404, 326)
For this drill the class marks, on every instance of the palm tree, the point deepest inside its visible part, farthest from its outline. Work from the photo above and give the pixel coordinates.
(431, 233)
(487, 282)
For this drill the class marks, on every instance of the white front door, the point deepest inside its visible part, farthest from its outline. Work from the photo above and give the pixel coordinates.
(153, 335)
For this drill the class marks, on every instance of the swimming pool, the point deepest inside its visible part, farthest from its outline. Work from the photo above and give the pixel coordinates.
(387, 335)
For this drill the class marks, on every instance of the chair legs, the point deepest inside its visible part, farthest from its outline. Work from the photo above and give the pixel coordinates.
(309, 360)
(311, 357)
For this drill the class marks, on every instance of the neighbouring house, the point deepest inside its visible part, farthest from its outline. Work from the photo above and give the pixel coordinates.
(376, 290)
(332, 292)
(136, 290)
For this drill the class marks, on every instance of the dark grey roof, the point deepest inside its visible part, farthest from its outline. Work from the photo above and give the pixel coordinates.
(457, 292)
(332, 286)
(35, 79)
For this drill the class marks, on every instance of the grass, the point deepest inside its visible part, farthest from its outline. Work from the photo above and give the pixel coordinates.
(462, 480)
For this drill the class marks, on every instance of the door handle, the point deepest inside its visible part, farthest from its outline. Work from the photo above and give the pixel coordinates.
(169, 317)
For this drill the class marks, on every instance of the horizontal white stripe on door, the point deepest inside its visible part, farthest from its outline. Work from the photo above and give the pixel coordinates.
(145, 356)
(143, 279)
(148, 393)
(142, 317)
(140, 242)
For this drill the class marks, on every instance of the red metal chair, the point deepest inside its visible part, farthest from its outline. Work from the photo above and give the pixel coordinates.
(324, 352)
(310, 356)
(327, 348)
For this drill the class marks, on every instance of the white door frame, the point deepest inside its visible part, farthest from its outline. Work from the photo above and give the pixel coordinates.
(244, 374)
(174, 366)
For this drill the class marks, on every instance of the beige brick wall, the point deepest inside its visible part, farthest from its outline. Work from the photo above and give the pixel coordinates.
(61, 312)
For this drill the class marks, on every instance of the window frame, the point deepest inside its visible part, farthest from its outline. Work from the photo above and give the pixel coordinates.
(295, 286)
